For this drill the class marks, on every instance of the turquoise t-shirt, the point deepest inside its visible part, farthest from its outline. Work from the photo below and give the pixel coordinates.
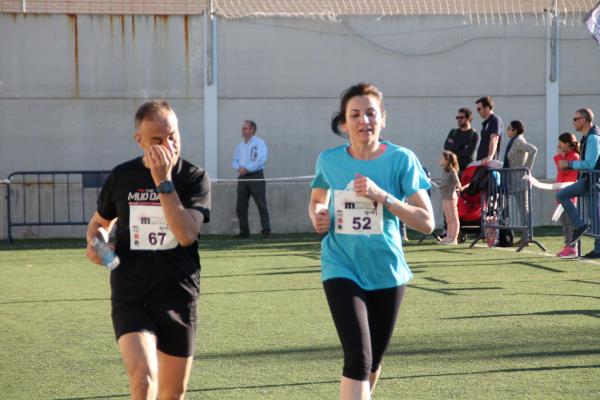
(371, 261)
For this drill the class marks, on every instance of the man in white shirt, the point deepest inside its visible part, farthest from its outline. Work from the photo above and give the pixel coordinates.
(249, 160)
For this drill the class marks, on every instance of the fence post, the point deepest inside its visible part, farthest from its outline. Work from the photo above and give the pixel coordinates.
(5, 209)
(588, 206)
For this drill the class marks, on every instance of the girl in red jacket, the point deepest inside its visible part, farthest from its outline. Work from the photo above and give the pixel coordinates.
(568, 149)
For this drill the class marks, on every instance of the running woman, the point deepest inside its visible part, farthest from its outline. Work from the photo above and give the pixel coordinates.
(354, 200)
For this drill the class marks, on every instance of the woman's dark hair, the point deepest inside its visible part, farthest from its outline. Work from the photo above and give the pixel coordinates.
(517, 126)
(451, 159)
(360, 89)
(570, 139)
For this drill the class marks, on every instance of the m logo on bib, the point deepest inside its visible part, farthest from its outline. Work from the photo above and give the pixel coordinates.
(357, 215)
(149, 229)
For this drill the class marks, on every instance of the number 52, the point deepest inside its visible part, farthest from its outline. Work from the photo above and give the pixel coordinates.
(361, 223)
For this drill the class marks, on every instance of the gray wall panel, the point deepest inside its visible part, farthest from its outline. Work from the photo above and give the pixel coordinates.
(69, 87)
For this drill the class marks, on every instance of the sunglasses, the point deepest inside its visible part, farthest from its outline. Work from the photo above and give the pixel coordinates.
(576, 118)
(460, 117)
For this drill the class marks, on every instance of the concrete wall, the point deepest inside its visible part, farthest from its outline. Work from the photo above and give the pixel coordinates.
(69, 86)
(288, 209)
(427, 67)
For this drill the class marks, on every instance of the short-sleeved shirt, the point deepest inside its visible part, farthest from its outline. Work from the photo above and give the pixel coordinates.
(372, 261)
(153, 275)
(491, 125)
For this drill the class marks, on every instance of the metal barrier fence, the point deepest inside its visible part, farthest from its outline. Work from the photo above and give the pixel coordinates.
(588, 205)
(38, 198)
(507, 205)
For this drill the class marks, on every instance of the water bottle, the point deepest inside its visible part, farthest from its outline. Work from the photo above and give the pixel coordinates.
(109, 259)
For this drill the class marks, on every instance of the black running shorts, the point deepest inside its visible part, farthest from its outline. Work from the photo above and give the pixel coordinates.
(173, 324)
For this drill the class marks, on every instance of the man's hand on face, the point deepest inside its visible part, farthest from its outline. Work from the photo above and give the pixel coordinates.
(161, 162)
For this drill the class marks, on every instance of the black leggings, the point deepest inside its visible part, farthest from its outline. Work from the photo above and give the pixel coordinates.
(365, 321)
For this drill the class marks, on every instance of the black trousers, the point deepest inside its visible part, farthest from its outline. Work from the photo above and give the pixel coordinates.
(364, 320)
(256, 190)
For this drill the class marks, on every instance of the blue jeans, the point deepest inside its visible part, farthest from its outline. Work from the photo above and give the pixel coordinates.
(564, 196)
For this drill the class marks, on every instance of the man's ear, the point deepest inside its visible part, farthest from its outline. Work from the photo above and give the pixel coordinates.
(383, 119)
(137, 137)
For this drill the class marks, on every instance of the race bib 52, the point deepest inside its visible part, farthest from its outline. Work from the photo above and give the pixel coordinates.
(355, 215)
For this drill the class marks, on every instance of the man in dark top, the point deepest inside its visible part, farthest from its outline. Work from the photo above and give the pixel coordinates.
(159, 202)
(463, 140)
(489, 149)
(491, 130)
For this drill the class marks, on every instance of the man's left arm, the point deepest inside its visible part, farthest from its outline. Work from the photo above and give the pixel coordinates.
(591, 155)
(494, 137)
(261, 157)
(494, 127)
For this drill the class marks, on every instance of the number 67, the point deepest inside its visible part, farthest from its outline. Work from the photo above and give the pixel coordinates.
(154, 240)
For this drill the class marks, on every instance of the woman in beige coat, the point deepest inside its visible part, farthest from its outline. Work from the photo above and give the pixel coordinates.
(519, 154)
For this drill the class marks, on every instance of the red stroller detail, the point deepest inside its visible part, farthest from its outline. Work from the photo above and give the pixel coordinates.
(469, 206)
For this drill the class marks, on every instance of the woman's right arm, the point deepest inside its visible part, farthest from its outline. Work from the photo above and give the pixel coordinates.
(318, 209)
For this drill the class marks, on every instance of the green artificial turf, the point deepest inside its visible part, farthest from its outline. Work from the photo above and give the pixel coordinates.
(475, 324)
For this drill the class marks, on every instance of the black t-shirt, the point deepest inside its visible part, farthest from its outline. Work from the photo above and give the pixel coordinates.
(491, 125)
(153, 275)
(463, 144)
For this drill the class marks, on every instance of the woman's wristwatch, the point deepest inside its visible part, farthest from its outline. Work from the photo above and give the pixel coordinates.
(389, 200)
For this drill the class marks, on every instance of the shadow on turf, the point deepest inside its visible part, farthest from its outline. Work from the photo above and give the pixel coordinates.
(557, 295)
(582, 281)
(309, 270)
(336, 381)
(392, 378)
(484, 261)
(450, 291)
(43, 244)
(51, 301)
(588, 313)
(261, 291)
(538, 266)
(312, 255)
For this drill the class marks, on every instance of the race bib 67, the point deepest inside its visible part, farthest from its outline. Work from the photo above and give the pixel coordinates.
(149, 229)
